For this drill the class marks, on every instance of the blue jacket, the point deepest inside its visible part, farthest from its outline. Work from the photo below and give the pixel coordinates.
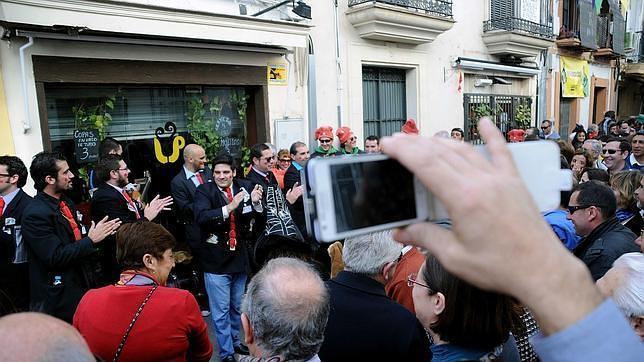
(563, 227)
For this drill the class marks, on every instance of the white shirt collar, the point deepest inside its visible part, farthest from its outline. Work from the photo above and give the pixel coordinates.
(120, 190)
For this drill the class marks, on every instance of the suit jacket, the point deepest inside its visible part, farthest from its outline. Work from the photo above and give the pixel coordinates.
(183, 192)
(257, 179)
(217, 258)
(14, 278)
(292, 176)
(59, 266)
(365, 325)
(107, 201)
(14, 210)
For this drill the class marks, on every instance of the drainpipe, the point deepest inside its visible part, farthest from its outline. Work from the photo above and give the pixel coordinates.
(338, 69)
(312, 94)
(26, 124)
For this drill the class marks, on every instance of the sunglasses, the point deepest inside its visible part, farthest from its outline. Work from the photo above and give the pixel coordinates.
(546, 127)
(269, 159)
(325, 141)
(610, 152)
(572, 209)
(285, 160)
(352, 139)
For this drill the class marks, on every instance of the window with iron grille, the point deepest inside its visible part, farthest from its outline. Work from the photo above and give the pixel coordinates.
(531, 17)
(384, 103)
(508, 112)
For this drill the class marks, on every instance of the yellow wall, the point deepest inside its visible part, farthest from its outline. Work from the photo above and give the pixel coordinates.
(6, 137)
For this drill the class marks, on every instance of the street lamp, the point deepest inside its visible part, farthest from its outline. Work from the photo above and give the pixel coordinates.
(301, 9)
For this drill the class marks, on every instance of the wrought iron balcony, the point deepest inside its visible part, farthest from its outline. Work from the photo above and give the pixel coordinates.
(401, 21)
(431, 7)
(516, 37)
(519, 25)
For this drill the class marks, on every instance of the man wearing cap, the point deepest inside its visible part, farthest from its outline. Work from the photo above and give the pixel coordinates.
(347, 141)
(324, 135)
(410, 127)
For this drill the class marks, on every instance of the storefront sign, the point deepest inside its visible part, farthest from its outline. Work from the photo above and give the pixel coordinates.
(86, 145)
(575, 78)
(178, 142)
(277, 74)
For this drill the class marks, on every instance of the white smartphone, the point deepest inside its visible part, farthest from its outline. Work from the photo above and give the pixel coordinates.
(353, 195)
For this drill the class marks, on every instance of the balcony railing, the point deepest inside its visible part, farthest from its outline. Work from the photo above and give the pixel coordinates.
(441, 8)
(519, 25)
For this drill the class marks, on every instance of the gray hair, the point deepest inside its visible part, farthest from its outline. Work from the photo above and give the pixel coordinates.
(367, 254)
(629, 295)
(595, 145)
(287, 305)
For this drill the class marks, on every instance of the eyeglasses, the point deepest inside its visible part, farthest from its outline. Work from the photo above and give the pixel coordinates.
(352, 139)
(325, 141)
(285, 160)
(545, 127)
(411, 280)
(610, 152)
(4, 175)
(572, 209)
(123, 169)
(269, 159)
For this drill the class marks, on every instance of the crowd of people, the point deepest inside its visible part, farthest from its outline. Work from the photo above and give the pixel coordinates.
(530, 287)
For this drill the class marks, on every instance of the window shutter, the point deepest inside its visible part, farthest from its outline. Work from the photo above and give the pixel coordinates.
(587, 24)
(619, 30)
(501, 9)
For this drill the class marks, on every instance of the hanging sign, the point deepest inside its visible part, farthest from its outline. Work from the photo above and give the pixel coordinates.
(277, 74)
(575, 77)
(178, 142)
(86, 145)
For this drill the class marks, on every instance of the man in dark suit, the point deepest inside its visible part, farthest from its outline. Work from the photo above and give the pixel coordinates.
(299, 156)
(183, 186)
(225, 210)
(57, 248)
(193, 174)
(14, 271)
(276, 234)
(113, 201)
(364, 324)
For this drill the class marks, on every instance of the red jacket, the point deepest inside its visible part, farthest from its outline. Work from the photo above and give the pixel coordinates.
(170, 327)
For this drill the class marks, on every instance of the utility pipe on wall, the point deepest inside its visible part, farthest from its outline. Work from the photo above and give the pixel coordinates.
(26, 124)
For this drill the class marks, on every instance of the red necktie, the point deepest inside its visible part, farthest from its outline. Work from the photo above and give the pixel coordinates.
(232, 234)
(67, 213)
(199, 178)
(131, 203)
(1, 205)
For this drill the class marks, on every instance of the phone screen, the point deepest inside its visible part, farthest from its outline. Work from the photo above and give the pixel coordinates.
(372, 193)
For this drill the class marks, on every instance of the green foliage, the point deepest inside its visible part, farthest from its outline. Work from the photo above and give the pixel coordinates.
(245, 161)
(523, 116)
(94, 116)
(202, 128)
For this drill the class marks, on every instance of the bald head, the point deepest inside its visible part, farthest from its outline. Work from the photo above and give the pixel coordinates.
(39, 337)
(194, 157)
(285, 310)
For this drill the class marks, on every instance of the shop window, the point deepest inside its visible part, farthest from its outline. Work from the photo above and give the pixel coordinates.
(198, 112)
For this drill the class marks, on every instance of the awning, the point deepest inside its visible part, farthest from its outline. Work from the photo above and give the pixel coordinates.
(485, 65)
(118, 17)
